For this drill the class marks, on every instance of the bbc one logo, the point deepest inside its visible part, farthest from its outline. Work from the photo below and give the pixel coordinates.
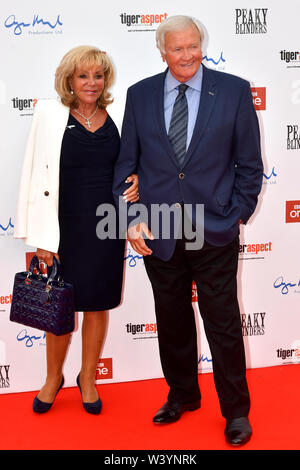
(292, 212)
(104, 369)
(194, 292)
(259, 98)
(251, 21)
(142, 20)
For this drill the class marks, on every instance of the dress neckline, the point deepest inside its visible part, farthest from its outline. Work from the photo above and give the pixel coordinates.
(90, 132)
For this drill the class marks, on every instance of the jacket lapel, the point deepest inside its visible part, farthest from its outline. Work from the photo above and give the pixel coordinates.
(59, 114)
(207, 101)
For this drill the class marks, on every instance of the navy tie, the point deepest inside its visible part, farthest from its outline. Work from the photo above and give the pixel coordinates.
(178, 126)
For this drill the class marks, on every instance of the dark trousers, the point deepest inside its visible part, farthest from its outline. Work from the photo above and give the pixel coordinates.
(214, 271)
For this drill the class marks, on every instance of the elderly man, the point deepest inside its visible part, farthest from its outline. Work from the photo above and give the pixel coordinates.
(192, 136)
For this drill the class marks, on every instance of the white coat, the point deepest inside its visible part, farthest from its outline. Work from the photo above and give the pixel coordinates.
(37, 208)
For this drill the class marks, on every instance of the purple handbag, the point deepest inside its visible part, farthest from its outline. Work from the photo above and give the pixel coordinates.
(44, 303)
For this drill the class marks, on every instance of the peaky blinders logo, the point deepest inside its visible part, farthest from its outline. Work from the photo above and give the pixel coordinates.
(251, 21)
(4, 376)
(253, 324)
(293, 137)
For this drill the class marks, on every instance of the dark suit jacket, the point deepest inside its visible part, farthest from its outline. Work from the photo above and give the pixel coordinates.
(223, 166)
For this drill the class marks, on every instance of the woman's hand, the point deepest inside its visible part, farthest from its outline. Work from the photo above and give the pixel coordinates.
(45, 256)
(132, 193)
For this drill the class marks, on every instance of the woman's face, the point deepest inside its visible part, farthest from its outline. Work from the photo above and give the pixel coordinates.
(87, 84)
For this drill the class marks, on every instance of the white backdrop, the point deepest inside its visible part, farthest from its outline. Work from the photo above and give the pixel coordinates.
(255, 39)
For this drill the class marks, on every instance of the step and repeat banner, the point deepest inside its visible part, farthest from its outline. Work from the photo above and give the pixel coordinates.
(255, 39)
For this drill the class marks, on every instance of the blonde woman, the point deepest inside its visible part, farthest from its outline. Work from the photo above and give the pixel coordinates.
(67, 173)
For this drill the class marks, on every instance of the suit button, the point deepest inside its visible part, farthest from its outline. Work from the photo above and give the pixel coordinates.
(46, 193)
(181, 176)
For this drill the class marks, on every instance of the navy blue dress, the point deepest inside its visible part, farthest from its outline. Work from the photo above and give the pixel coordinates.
(93, 266)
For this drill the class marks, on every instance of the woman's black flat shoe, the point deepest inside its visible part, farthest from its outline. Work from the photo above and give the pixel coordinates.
(41, 406)
(95, 407)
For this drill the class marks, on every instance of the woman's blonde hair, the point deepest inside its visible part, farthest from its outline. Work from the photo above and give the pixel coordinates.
(83, 56)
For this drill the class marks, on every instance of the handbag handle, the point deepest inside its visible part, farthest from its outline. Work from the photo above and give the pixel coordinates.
(56, 269)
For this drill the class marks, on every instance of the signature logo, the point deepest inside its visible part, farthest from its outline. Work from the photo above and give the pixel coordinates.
(271, 174)
(215, 62)
(284, 286)
(18, 26)
(29, 341)
(132, 259)
(203, 358)
(9, 225)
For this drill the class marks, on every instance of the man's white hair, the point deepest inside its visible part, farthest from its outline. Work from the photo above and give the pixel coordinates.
(175, 23)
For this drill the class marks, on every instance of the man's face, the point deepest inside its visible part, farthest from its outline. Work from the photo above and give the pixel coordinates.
(183, 52)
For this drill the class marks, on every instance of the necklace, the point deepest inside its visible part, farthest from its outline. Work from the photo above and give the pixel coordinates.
(87, 119)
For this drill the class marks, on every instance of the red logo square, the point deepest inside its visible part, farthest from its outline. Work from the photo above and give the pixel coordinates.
(292, 213)
(259, 98)
(104, 369)
(194, 292)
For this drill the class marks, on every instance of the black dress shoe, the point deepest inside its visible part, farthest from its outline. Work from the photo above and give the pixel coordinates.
(172, 411)
(238, 431)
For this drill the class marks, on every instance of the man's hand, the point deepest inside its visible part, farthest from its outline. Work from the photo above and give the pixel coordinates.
(135, 236)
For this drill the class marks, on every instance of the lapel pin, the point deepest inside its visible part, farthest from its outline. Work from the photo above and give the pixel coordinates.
(211, 93)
